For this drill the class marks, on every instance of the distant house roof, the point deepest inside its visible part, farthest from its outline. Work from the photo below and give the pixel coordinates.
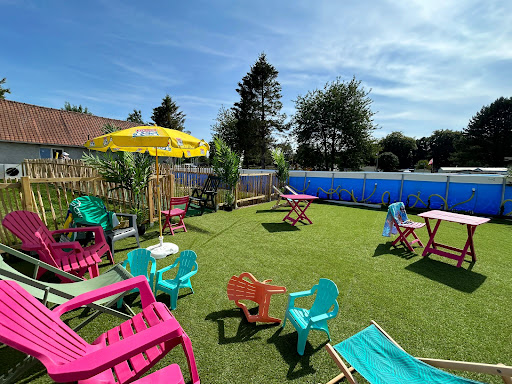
(26, 123)
(473, 170)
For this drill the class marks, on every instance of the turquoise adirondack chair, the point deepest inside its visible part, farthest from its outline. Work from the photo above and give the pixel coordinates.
(187, 268)
(140, 261)
(305, 320)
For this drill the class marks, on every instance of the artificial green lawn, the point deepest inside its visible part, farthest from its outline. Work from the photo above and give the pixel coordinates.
(429, 306)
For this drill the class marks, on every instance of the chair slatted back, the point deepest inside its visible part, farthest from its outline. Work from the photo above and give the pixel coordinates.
(27, 325)
(187, 263)
(174, 201)
(211, 184)
(326, 294)
(24, 225)
(241, 289)
(140, 262)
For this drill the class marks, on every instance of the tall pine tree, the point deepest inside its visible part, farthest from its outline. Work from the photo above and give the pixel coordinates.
(258, 113)
(167, 115)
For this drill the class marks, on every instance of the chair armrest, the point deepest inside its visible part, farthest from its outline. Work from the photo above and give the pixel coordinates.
(71, 244)
(132, 218)
(105, 358)
(326, 316)
(249, 275)
(188, 275)
(161, 271)
(99, 236)
(295, 295)
(139, 282)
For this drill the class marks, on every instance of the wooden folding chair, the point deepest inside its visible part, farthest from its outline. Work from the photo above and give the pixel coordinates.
(380, 359)
(404, 226)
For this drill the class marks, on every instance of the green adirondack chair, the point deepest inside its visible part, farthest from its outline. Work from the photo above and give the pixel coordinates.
(305, 320)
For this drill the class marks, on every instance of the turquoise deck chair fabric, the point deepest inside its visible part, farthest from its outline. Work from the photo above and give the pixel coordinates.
(380, 361)
(141, 263)
(91, 210)
(187, 267)
(305, 320)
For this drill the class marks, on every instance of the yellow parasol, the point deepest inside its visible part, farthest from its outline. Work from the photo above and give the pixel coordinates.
(157, 141)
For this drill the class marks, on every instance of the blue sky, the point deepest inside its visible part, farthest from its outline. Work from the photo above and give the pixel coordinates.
(430, 64)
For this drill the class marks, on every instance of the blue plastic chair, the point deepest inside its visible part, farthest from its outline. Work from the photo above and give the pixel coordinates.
(187, 268)
(315, 318)
(140, 261)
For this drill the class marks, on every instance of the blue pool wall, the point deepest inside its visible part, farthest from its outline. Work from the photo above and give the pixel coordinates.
(478, 194)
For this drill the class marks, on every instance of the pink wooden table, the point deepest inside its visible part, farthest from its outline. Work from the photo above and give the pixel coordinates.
(294, 201)
(458, 254)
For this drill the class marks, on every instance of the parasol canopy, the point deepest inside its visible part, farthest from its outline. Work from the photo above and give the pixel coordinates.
(169, 142)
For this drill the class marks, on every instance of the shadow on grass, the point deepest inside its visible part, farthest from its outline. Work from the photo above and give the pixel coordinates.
(31, 370)
(287, 347)
(400, 251)
(461, 279)
(279, 227)
(246, 331)
(281, 210)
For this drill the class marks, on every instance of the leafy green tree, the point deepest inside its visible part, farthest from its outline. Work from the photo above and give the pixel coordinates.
(442, 146)
(388, 162)
(74, 108)
(258, 113)
(487, 139)
(109, 128)
(402, 146)
(423, 164)
(3, 91)
(135, 117)
(225, 128)
(423, 150)
(168, 115)
(336, 123)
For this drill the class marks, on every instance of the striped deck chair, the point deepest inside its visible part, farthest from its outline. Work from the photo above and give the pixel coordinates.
(380, 360)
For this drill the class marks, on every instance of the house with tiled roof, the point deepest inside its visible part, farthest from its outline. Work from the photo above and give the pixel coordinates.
(33, 132)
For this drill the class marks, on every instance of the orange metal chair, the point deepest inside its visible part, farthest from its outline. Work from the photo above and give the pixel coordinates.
(246, 287)
(176, 212)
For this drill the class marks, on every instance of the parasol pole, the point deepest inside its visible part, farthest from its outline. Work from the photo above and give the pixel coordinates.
(161, 238)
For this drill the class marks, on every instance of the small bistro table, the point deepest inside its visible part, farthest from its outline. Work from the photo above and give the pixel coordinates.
(294, 201)
(458, 254)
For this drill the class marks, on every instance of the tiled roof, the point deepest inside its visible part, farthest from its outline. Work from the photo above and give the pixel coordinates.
(28, 123)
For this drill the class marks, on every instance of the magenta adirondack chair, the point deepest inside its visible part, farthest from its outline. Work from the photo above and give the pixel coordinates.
(118, 356)
(35, 236)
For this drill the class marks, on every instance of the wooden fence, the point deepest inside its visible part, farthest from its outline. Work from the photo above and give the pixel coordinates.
(49, 186)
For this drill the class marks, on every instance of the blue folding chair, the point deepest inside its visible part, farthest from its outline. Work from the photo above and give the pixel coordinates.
(305, 320)
(380, 360)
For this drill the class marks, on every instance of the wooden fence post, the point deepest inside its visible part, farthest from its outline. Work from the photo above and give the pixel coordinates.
(26, 194)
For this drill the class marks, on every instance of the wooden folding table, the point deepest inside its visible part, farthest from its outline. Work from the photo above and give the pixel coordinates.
(294, 201)
(458, 254)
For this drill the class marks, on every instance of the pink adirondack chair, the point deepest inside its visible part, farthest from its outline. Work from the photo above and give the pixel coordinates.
(35, 236)
(118, 356)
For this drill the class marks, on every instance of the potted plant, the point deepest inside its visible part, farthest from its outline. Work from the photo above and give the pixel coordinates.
(227, 165)
(130, 172)
(283, 168)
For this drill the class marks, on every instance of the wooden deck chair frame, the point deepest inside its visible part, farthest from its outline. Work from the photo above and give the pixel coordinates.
(492, 369)
(278, 202)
